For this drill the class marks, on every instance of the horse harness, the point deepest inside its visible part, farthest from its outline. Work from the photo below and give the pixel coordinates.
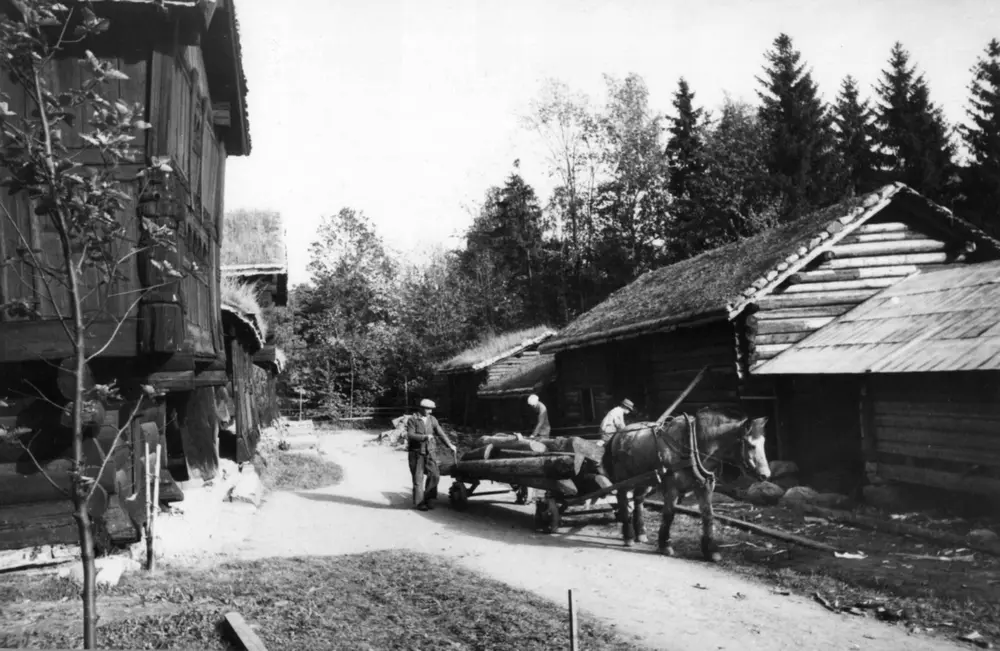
(704, 477)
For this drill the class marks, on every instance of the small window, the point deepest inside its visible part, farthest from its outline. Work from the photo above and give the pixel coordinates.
(587, 404)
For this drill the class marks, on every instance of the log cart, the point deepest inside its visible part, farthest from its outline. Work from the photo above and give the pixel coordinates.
(565, 469)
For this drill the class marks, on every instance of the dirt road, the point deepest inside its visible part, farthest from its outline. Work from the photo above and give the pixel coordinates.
(661, 603)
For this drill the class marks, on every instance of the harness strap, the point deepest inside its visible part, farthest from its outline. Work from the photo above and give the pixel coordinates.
(702, 475)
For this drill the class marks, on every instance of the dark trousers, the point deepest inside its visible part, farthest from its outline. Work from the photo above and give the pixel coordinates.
(425, 474)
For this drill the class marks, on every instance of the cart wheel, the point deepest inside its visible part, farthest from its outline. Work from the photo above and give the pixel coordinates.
(459, 496)
(520, 494)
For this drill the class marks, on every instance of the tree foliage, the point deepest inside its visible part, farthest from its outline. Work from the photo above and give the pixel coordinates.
(855, 140)
(982, 137)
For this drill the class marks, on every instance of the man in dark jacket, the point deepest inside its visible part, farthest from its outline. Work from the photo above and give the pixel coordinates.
(421, 431)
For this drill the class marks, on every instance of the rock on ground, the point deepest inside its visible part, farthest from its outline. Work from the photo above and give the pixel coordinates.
(764, 493)
(799, 495)
(248, 488)
(983, 535)
(109, 570)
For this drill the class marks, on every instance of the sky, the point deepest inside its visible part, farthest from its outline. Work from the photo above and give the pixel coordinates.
(409, 110)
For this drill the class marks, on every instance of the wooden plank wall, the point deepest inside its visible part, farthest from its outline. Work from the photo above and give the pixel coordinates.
(581, 373)
(879, 254)
(241, 371)
(674, 360)
(940, 430)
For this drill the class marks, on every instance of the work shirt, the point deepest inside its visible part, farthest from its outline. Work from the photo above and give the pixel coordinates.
(542, 428)
(614, 421)
(421, 431)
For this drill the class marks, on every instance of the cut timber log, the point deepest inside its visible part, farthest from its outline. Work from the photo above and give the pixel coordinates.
(497, 439)
(783, 338)
(552, 467)
(575, 445)
(895, 236)
(842, 285)
(562, 487)
(820, 298)
(523, 445)
(887, 248)
(776, 326)
(523, 454)
(883, 260)
(886, 227)
(479, 454)
(799, 313)
(834, 275)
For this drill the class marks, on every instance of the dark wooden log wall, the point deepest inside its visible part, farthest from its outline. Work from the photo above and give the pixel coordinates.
(264, 386)
(651, 371)
(939, 430)
(879, 254)
(241, 372)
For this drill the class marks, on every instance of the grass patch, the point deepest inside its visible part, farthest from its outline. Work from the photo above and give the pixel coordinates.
(377, 600)
(289, 471)
(244, 297)
(253, 237)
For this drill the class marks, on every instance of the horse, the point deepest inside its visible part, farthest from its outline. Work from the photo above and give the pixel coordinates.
(687, 451)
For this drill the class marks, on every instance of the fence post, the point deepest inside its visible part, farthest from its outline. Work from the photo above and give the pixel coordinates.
(572, 624)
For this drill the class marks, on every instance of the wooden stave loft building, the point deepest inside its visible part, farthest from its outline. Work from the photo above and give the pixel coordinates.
(763, 294)
(183, 62)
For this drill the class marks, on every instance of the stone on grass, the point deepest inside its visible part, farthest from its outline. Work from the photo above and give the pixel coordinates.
(798, 495)
(109, 570)
(783, 469)
(248, 487)
(983, 536)
(764, 493)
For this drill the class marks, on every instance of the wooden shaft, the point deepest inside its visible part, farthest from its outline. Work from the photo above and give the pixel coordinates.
(836, 262)
(662, 419)
(758, 529)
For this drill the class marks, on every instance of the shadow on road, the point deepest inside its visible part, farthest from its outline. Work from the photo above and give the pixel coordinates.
(397, 500)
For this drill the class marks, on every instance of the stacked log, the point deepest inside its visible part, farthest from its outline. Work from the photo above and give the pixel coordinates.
(549, 466)
(479, 454)
(867, 261)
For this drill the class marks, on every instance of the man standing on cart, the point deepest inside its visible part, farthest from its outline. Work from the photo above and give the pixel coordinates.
(421, 430)
(542, 428)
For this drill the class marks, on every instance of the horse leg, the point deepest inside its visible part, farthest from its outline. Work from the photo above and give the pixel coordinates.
(638, 521)
(625, 515)
(670, 495)
(708, 548)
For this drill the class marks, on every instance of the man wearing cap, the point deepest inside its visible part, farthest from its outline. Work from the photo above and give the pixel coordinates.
(614, 421)
(542, 428)
(421, 431)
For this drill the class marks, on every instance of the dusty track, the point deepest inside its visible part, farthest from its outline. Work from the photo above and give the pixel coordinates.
(659, 602)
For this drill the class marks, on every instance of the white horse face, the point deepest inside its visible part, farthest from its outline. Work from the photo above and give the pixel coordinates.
(754, 457)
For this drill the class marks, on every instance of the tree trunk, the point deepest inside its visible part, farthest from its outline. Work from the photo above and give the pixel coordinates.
(556, 467)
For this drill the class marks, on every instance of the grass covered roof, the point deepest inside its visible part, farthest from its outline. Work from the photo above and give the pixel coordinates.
(495, 348)
(719, 283)
(253, 241)
(532, 373)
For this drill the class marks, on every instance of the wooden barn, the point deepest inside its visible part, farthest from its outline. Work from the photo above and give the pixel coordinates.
(919, 363)
(183, 64)
(461, 377)
(254, 278)
(503, 400)
(735, 307)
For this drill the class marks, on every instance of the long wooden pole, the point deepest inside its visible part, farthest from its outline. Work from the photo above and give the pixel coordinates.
(573, 641)
(683, 395)
(155, 508)
(756, 528)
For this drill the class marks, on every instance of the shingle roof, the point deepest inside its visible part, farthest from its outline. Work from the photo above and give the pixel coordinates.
(720, 283)
(494, 349)
(531, 373)
(946, 320)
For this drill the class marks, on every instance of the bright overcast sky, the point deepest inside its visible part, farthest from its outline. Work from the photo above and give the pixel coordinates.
(409, 110)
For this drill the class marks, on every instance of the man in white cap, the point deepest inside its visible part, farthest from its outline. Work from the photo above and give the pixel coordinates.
(542, 428)
(421, 431)
(614, 421)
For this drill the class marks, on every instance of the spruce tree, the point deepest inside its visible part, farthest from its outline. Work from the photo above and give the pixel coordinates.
(982, 186)
(912, 133)
(855, 140)
(684, 148)
(799, 126)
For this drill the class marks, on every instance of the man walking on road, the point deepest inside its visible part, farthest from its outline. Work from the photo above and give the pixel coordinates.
(615, 420)
(421, 431)
(542, 428)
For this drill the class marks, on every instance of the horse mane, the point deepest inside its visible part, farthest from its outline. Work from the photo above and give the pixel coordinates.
(720, 414)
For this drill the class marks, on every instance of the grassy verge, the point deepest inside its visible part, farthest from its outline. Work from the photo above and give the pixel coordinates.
(299, 471)
(383, 600)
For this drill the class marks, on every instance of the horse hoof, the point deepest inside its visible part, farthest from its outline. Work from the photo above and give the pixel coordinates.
(667, 551)
(714, 557)
(644, 539)
(629, 543)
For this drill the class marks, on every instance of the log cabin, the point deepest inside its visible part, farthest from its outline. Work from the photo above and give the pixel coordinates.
(461, 376)
(503, 400)
(733, 308)
(182, 60)
(919, 367)
(254, 279)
